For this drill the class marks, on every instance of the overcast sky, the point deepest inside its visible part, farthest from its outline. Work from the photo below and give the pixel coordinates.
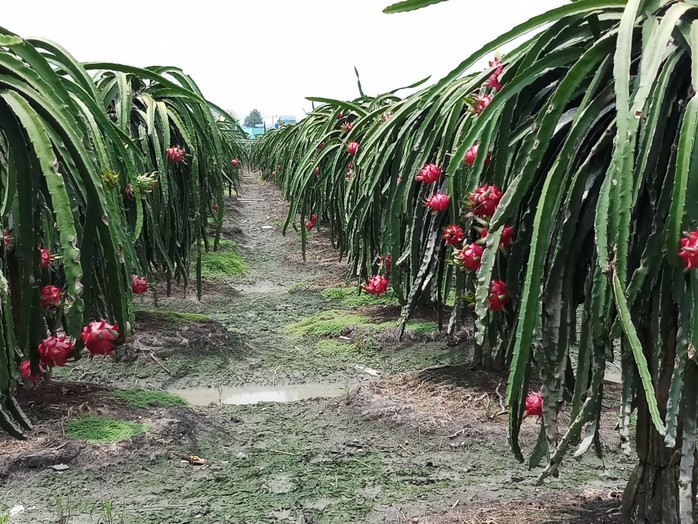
(271, 54)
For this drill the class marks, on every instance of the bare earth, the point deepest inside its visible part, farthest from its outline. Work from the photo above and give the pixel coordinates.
(415, 435)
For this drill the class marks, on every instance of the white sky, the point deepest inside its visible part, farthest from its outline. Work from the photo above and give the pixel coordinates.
(271, 54)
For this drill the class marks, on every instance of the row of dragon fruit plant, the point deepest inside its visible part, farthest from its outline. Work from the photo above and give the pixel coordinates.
(112, 177)
(552, 192)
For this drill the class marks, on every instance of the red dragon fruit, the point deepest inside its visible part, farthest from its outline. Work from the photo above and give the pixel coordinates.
(25, 368)
(470, 257)
(139, 285)
(471, 154)
(175, 154)
(429, 174)
(310, 224)
(376, 285)
(688, 249)
(54, 351)
(534, 404)
(497, 63)
(480, 103)
(352, 148)
(51, 296)
(45, 258)
(484, 201)
(99, 337)
(498, 295)
(493, 81)
(453, 235)
(505, 240)
(438, 202)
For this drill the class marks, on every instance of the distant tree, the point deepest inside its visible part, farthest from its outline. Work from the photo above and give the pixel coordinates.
(253, 119)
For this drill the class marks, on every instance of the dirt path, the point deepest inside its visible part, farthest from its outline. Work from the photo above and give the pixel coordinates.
(394, 444)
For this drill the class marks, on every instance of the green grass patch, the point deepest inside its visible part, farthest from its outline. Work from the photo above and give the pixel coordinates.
(140, 398)
(330, 347)
(422, 327)
(175, 316)
(224, 245)
(350, 297)
(98, 429)
(325, 324)
(219, 264)
(335, 348)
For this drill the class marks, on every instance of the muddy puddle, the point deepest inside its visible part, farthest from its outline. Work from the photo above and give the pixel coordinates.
(256, 394)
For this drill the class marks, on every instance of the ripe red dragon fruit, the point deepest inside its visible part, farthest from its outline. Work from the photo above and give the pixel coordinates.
(175, 154)
(480, 103)
(235, 162)
(347, 127)
(376, 285)
(8, 239)
(484, 201)
(534, 404)
(352, 148)
(471, 155)
(453, 235)
(45, 258)
(317, 170)
(497, 63)
(494, 83)
(51, 296)
(310, 224)
(498, 295)
(429, 174)
(493, 80)
(216, 207)
(688, 249)
(99, 337)
(54, 351)
(505, 240)
(25, 368)
(438, 202)
(470, 257)
(139, 285)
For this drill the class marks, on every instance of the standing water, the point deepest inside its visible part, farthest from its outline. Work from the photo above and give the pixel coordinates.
(257, 394)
